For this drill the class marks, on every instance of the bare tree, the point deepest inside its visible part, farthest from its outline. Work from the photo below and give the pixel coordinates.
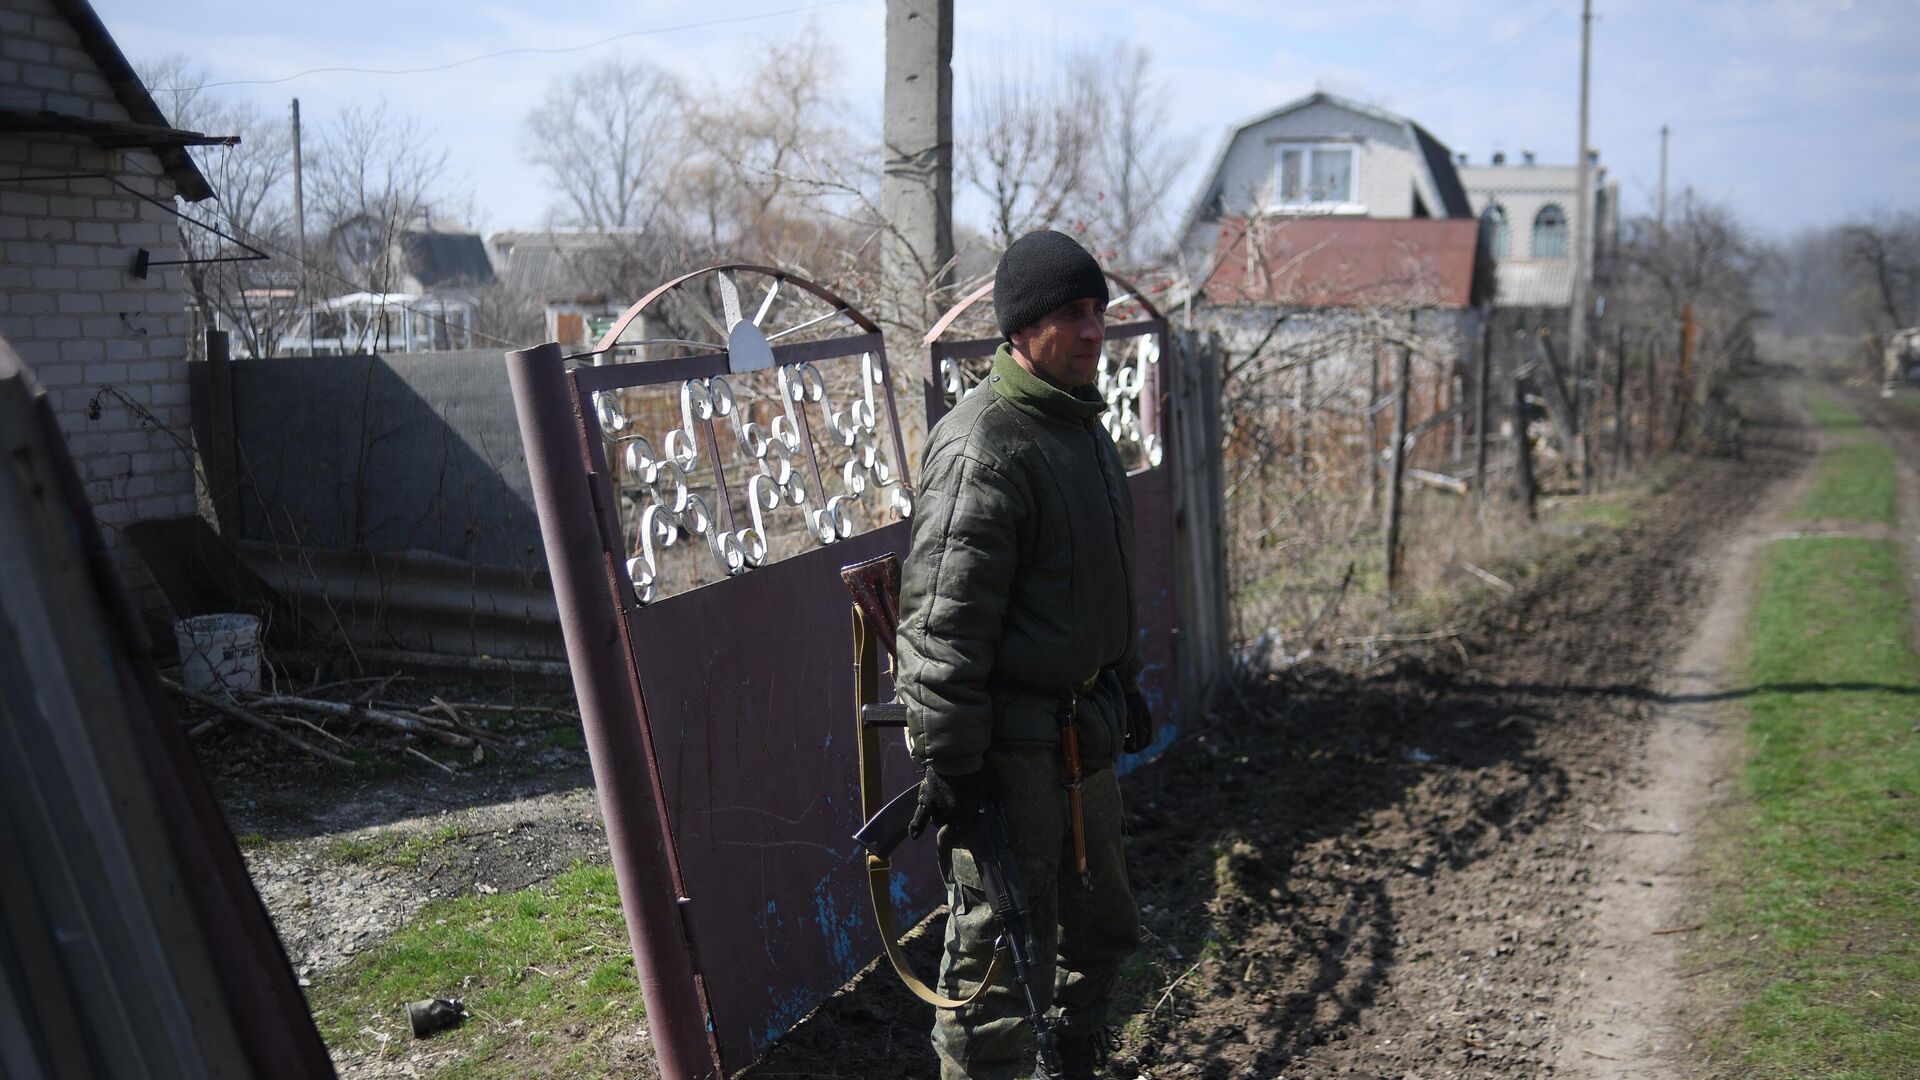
(374, 177)
(259, 301)
(606, 140)
(1027, 141)
(1135, 159)
(1884, 256)
(782, 178)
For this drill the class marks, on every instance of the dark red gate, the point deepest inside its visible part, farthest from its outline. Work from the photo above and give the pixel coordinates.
(708, 631)
(720, 719)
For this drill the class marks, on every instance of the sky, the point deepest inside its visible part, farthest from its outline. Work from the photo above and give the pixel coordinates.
(1796, 113)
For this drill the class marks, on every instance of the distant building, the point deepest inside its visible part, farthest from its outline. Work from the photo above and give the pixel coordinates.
(580, 278)
(1532, 208)
(421, 296)
(1324, 156)
(1329, 203)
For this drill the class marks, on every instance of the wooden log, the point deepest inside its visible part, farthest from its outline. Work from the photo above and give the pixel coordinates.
(229, 709)
(1438, 481)
(392, 721)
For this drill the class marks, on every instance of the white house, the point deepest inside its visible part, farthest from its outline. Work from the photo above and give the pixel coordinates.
(1533, 207)
(1322, 156)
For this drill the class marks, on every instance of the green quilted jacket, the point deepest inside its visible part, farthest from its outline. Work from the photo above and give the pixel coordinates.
(1019, 580)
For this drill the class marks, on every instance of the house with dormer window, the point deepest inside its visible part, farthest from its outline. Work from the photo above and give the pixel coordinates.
(1323, 156)
(1327, 204)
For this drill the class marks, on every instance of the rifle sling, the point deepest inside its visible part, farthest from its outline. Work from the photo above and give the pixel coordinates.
(866, 687)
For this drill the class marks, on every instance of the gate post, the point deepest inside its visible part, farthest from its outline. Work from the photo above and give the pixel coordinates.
(582, 572)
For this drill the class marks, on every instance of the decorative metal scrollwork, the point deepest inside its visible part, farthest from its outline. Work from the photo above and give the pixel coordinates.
(657, 483)
(1120, 385)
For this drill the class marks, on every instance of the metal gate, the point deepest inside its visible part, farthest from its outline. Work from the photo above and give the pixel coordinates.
(708, 633)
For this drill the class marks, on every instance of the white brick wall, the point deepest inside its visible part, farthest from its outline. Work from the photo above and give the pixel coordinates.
(95, 337)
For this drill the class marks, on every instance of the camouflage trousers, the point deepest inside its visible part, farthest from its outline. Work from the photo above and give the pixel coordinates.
(1083, 934)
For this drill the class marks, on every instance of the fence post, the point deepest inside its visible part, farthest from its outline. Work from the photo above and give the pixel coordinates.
(1619, 398)
(1653, 393)
(1484, 366)
(1373, 430)
(1683, 376)
(1200, 517)
(1400, 395)
(221, 455)
(1522, 446)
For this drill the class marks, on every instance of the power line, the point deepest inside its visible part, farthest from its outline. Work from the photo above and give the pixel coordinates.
(254, 239)
(1494, 55)
(520, 51)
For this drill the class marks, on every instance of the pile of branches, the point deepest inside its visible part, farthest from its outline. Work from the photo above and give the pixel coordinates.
(336, 711)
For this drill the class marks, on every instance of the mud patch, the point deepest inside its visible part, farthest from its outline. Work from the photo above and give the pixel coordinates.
(1388, 873)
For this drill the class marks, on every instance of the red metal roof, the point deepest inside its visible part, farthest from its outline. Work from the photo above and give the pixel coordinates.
(1345, 262)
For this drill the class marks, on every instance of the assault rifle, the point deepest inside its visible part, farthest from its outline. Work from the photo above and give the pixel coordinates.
(875, 585)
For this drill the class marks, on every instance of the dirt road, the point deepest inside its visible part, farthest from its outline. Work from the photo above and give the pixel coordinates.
(1445, 866)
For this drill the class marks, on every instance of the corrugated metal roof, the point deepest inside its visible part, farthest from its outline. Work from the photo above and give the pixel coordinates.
(562, 265)
(1346, 262)
(446, 258)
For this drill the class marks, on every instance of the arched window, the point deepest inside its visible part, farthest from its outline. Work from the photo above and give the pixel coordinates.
(1550, 233)
(1502, 235)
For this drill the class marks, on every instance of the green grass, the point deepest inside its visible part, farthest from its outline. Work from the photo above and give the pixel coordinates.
(1832, 415)
(527, 963)
(1821, 914)
(392, 847)
(1855, 483)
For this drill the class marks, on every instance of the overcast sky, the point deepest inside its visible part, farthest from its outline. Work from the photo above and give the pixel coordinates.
(1795, 112)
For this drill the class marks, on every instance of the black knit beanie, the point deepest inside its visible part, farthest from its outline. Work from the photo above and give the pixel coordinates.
(1041, 271)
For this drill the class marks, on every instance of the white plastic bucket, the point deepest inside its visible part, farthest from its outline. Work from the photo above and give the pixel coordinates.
(219, 652)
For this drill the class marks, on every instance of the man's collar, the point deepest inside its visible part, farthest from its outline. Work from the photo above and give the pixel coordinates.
(1038, 396)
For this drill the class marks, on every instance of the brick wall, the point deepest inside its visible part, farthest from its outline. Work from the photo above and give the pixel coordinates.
(110, 349)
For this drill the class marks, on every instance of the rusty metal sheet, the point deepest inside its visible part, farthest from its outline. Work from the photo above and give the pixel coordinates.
(1154, 553)
(748, 690)
(719, 710)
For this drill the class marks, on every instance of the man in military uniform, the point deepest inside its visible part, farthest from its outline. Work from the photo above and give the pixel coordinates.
(1017, 616)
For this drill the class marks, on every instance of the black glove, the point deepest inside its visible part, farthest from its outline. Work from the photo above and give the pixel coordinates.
(952, 800)
(1139, 723)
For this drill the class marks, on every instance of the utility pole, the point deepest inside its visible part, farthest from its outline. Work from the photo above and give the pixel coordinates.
(1663, 179)
(299, 194)
(917, 189)
(1582, 217)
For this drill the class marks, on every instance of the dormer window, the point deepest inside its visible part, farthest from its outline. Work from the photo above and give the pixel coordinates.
(1315, 176)
(1550, 233)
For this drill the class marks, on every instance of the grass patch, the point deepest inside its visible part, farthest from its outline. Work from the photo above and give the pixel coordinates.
(528, 964)
(1832, 415)
(1855, 483)
(1820, 905)
(1607, 512)
(392, 847)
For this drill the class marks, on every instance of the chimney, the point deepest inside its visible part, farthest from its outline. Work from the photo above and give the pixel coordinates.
(1499, 158)
(1526, 156)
